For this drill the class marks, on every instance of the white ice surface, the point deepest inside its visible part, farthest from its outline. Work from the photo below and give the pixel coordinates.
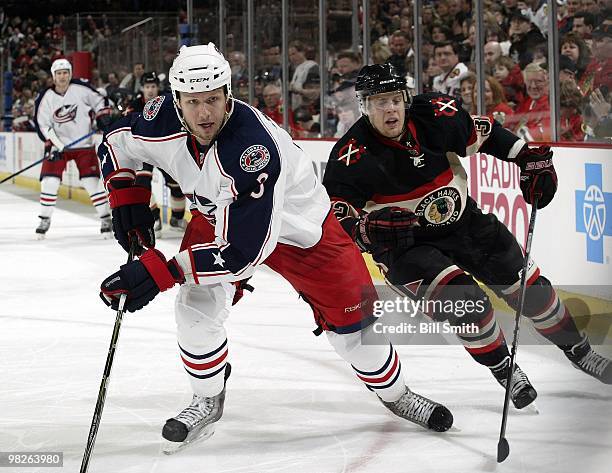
(292, 404)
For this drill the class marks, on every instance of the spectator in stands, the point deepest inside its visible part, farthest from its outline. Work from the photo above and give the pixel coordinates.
(492, 52)
(273, 103)
(510, 77)
(132, 80)
(112, 85)
(467, 87)
(347, 116)
(380, 52)
(583, 24)
(440, 33)
(533, 114)
(602, 50)
(238, 64)
(567, 22)
(571, 112)
(430, 71)
(577, 50)
(348, 64)
(303, 67)
(567, 69)
(496, 106)
(401, 52)
(446, 55)
(524, 37)
(305, 125)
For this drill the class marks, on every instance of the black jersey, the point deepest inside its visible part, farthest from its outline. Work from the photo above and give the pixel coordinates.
(422, 171)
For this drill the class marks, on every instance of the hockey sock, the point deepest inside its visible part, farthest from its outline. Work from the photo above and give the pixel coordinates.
(205, 367)
(549, 315)
(99, 199)
(48, 195)
(378, 366)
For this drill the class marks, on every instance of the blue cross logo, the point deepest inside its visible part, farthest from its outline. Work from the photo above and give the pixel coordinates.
(592, 206)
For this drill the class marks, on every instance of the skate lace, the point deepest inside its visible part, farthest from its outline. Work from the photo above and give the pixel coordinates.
(415, 407)
(197, 411)
(519, 381)
(594, 363)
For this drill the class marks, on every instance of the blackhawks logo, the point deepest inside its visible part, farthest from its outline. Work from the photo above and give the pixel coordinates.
(351, 152)
(152, 107)
(441, 207)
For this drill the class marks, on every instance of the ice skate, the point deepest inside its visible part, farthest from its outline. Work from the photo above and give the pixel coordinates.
(106, 227)
(592, 363)
(194, 423)
(157, 224)
(178, 223)
(43, 227)
(422, 411)
(522, 393)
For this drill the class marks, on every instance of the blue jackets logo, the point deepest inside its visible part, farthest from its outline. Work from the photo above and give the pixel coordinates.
(254, 158)
(592, 206)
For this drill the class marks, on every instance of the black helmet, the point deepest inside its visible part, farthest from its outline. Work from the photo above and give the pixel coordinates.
(149, 78)
(379, 79)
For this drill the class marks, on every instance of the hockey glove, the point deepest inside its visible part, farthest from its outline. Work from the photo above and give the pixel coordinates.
(141, 280)
(132, 217)
(51, 152)
(104, 119)
(241, 286)
(538, 176)
(391, 227)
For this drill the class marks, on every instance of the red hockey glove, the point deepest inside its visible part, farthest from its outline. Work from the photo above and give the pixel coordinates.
(132, 217)
(538, 176)
(391, 227)
(141, 280)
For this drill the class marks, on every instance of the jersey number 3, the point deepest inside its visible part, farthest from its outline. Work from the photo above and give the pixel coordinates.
(263, 177)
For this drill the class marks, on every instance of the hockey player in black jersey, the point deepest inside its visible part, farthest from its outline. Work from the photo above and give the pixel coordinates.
(399, 166)
(150, 90)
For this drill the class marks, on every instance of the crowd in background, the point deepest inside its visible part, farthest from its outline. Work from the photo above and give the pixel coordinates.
(515, 56)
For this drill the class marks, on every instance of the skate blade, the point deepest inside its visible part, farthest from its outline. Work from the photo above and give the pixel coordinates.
(40, 236)
(533, 408)
(107, 235)
(170, 448)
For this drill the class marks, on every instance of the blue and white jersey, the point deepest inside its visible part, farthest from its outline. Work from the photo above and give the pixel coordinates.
(68, 115)
(253, 183)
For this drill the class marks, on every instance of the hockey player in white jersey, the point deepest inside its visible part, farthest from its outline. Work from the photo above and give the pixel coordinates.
(255, 200)
(63, 115)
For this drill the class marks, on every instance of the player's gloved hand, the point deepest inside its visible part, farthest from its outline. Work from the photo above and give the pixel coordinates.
(390, 227)
(51, 152)
(538, 176)
(104, 118)
(141, 280)
(132, 217)
(241, 286)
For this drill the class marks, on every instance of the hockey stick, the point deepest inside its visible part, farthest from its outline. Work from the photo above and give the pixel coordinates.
(95, 422)
(503, 448)
(84, 137)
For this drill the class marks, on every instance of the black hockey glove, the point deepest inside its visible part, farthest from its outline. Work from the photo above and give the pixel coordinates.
(391, 227)
(104, 119)
(538, 176)
(141, 280)
(51, 152)
(132, 217)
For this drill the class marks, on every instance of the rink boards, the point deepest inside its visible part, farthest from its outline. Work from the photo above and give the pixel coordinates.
(572, 242)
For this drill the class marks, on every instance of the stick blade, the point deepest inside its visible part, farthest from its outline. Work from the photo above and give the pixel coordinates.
(503, 450)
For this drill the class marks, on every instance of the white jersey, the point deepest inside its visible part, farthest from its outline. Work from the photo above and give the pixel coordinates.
(450, 83)
(68, 115)
(253, 183)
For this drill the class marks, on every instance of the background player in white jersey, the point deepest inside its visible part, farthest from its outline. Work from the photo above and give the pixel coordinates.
(401, 167)
(63, 115)
(243, 174)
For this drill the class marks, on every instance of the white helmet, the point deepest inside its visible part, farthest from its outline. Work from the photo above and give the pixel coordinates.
(199, 69)
(59, 65)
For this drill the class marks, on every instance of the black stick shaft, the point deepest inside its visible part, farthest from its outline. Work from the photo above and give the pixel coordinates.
(97, 415)
(503, 448)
